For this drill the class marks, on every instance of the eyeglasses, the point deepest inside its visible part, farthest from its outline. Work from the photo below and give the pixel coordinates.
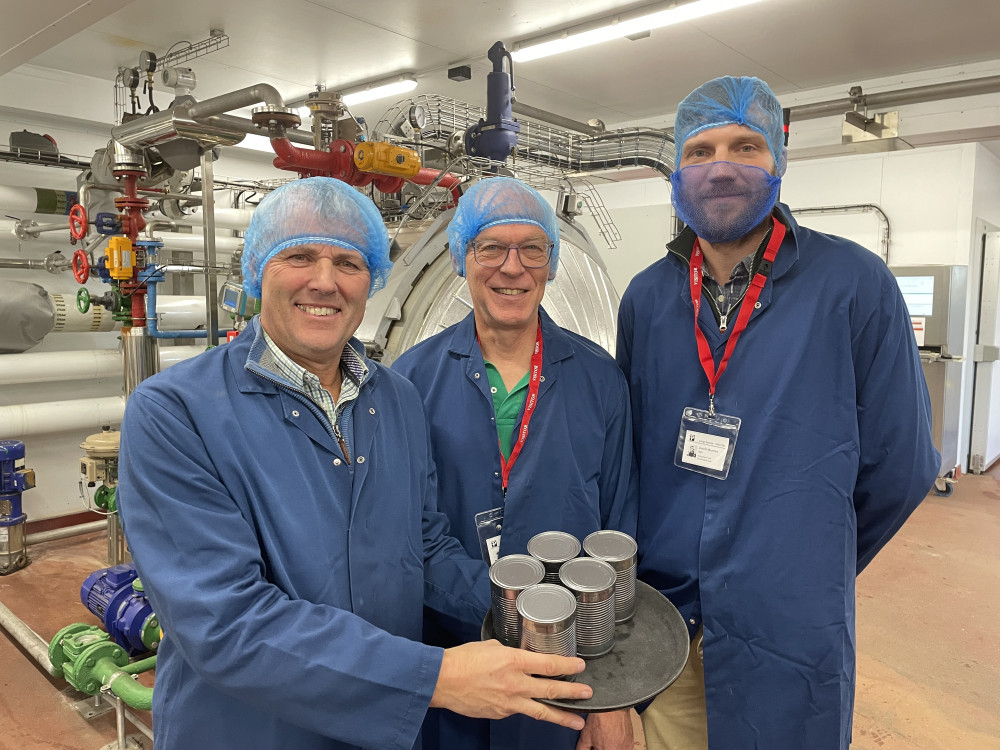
(492, 254)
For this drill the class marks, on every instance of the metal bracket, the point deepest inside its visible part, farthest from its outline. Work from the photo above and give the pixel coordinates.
(986, 353)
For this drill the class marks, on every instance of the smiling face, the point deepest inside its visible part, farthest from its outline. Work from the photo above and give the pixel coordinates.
(506, 298)
(312, 301)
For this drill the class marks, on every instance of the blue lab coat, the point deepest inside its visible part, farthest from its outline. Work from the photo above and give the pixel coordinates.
(834, 453)
(573, 475)
(289, 583)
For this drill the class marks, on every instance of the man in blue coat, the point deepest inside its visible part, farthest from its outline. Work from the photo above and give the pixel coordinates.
(782, 431)
(529, 422)
(278, 495)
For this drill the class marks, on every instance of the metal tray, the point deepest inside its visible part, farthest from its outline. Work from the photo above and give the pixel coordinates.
(649, 654)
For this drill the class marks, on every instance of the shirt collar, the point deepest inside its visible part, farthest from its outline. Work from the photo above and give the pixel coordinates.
(352, 365)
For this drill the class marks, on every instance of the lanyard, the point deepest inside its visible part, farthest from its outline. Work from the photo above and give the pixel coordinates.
(529, 408)
(746, 310)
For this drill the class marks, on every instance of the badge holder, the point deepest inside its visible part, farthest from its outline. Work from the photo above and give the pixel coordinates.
(489, 524)
(706, 442)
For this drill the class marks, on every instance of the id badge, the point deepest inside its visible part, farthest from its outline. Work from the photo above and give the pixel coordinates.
(706, 442)
(489, 524)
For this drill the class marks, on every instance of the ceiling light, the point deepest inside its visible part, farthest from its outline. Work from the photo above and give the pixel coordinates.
(621, 26)
(380, 91)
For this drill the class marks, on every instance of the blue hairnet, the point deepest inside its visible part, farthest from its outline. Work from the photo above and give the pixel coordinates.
(500, 200)
(315, 211)
(726, 101)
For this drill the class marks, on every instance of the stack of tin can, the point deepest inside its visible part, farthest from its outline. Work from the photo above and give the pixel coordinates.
(531, 611)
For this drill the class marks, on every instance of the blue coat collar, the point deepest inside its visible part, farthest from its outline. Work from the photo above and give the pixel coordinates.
(245, 353)
(787, 255)
(557, 346)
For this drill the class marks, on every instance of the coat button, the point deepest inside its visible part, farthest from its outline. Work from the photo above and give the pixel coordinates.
(493, 390)
(336, 462)
(756, 305)
(295, 412)
(692, 621)
(541, 378)
(372, 411)
(361, 459)
(476, 376)
(496, 473)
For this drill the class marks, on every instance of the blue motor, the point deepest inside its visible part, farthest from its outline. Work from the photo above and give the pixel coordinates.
(14, 479)
(496, 136)
(115, 595)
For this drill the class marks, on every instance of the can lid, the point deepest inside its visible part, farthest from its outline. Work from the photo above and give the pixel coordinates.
(546, 603)
(613, 546)
(587, 574)
(554, 546)
(516, 571)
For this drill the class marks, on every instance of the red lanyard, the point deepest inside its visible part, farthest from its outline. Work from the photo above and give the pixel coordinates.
(746, 310)
(535, 377)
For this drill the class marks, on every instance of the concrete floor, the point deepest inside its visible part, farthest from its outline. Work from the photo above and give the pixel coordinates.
(928, 635)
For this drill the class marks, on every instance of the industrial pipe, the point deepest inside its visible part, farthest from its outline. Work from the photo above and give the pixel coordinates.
(65, 532)
(178, 241)
(17, 200)
(248, 126)
(888, 99)
(24, 420)
(27, 264)
(550, 117)
(152, 314)
(30, 640)
(237, 219)
(245, 97)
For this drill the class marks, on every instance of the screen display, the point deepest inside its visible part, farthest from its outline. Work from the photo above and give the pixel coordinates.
(918, 294)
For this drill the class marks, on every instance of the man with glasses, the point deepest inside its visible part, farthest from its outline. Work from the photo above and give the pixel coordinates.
(530, 429)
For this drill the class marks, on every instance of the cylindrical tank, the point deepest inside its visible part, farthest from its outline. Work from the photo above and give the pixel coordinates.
(423, 295)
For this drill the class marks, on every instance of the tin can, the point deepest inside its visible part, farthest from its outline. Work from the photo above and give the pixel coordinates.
(552, 549)
(548, 619)
(592, 582)
(619, 551)
(509, 576)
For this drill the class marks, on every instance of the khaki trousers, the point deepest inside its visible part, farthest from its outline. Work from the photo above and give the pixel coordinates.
(676, 719)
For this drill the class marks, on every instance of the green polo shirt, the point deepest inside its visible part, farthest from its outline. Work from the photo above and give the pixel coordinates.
(506, 406)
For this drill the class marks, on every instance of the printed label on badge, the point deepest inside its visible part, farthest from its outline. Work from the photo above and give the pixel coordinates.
(489, 524)
(706, 442)
(702, 449)
(493, 548)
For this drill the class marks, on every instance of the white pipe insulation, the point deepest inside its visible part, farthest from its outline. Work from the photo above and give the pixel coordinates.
(225, 218)
(24, 420)
(49, 241)
(174, 312)
(27, 202)
(52, 367)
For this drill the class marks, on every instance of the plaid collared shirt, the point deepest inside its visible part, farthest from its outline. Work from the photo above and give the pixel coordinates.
(727, 296)
(352, 366)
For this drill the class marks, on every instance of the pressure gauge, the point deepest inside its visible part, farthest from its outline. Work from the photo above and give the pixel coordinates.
(417, 117)
(147, 61)
(130, 77)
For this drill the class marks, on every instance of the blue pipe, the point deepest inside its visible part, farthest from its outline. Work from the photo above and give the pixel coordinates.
(151, 281)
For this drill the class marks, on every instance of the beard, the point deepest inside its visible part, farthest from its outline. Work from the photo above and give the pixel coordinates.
(723, 201)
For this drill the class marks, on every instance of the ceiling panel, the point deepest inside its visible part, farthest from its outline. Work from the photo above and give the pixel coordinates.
(795, 45)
